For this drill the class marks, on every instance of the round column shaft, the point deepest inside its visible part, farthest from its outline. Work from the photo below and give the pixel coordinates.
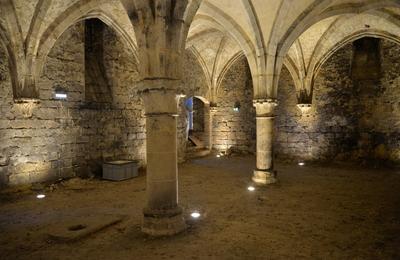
(264, 172)
(162, 215)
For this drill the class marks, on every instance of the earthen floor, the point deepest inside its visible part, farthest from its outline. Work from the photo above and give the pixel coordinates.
(314, 212)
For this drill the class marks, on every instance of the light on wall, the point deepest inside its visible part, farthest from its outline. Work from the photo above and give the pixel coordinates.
(60, 96)
(60, 93)
(236, 107)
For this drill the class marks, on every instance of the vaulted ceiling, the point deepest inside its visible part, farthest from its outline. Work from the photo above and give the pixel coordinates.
(300, 34)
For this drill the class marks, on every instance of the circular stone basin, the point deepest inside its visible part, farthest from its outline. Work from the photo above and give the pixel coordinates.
(76, 227)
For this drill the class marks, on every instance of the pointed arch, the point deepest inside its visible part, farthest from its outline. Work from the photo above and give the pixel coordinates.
(225, 70)
(11, 38)
(79, 11)
(203, 65)
(5, 41)
(316, 11)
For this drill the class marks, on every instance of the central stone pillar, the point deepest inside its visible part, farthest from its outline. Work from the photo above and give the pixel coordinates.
(162, 215)
(161, 29)
(264, 173)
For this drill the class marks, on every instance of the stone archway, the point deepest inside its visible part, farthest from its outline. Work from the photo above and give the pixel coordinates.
(198, 126)
(199, 129)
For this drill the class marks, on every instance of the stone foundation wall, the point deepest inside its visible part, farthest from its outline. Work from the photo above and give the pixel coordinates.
(348, 120)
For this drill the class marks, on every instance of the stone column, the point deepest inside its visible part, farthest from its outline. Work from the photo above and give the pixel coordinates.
(162, 215)
(209, 112)
(264, 173)
(213, 111)
(161, 29)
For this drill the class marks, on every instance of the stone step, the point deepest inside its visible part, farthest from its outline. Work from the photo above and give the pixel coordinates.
(196, 141)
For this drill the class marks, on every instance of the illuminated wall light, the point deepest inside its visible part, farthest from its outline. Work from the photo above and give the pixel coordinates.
(301, 164)
(40, 196)
(60, 95)
(251, 188)
(236, 107)
(195, 214)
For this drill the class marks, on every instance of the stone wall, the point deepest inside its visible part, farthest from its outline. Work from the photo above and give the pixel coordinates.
(348, 120)
(43, 141)
(231, 129)
(325, 130)
(193, 84)
(379, 116)
(198, 115)
(7, 113)
(193, 78)
(97, 85)
(121, 132)
(63, 138)
(55, 139)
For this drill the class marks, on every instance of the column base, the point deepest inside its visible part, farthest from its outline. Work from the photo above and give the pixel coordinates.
(163, 222)
(264, 177)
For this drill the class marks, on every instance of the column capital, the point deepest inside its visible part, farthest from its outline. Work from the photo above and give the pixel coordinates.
(158, 84)
(26, 90)
(265, 107)
(160, 97)
(161, 29)
(213, 109)
(304, 108)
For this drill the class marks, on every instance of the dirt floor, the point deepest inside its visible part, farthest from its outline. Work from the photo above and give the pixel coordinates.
(314, 212)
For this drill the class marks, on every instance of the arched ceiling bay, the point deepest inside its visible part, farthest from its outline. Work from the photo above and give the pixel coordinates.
(215, 51)
(268, 33)
(321, 40)
(271, 28)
